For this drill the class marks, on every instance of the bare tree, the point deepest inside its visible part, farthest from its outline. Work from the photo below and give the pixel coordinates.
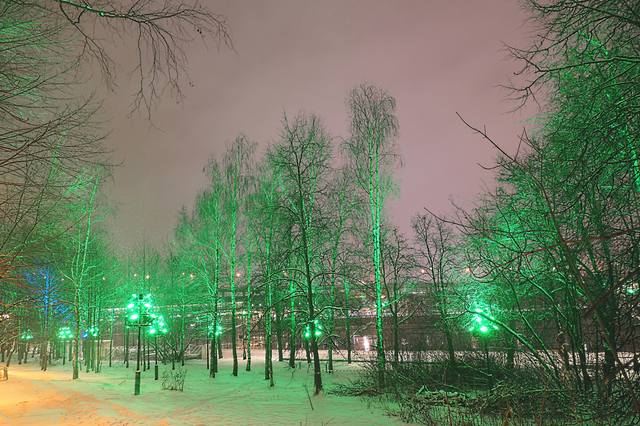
(161, 30)
(436, 259)
(374, 128)
(238, 166)
(301, 161)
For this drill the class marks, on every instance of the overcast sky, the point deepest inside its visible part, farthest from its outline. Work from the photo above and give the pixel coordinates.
(436, 57)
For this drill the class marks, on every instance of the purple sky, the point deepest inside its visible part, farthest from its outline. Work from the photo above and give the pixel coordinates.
(435, 56)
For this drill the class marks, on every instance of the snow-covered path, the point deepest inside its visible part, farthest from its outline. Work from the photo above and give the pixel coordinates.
(32, 397)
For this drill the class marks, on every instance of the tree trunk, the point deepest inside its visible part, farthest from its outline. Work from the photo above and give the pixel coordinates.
(347, 319)
(292, 324)
(76, 337)
(248, 366)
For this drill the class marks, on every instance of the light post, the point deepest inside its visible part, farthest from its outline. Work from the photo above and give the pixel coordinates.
(158, 326)
(138, 316)
(308, 332)
(317, 330)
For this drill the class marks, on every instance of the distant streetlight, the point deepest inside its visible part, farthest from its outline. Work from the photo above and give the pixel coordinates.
(158, 326)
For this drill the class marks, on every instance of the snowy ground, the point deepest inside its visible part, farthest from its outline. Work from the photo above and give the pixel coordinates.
(32, 397)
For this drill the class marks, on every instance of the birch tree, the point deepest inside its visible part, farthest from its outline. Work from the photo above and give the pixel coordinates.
(371, 153)
(237, 169)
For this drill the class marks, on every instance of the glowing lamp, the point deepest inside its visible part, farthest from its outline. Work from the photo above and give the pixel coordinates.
(482, 323)
(64, 333)
(318, 331)
(26, 335)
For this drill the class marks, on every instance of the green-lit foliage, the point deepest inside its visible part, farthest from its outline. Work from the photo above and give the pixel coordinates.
(238, 165)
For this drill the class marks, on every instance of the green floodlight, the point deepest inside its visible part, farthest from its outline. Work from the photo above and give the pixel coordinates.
(26, 335)
(218, 331)
(483, 325)
(64, 333)
(632, 289)
(482, 322)
(158, 325)
(91, 332)
(138, 309)
(138, 315)
(318, 330)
